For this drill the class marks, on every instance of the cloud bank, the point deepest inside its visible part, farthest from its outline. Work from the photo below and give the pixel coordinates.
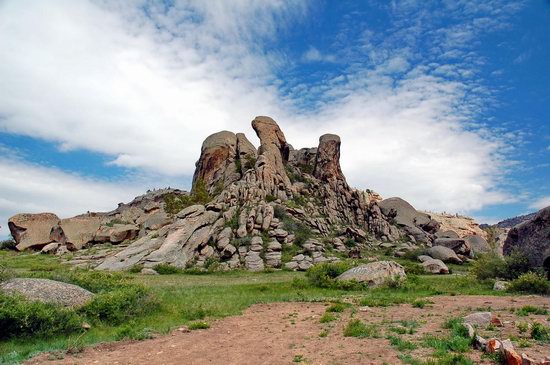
(145, 83)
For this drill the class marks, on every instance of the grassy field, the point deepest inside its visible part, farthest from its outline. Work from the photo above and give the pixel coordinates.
(185, 299)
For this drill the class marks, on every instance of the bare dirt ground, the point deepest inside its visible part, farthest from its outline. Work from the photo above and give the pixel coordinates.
(286, 333)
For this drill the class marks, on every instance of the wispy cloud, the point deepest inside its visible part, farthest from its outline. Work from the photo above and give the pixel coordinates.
(540, 203)
(147, 83)
(31, 188)
(314, 55)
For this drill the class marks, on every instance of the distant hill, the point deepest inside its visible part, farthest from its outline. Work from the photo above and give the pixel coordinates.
(511, 222)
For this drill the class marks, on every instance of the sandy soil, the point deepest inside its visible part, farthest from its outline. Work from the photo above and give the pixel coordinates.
(281, 333)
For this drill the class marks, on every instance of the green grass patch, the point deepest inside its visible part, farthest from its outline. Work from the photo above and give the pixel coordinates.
(356, 328)
(401, 344)
(199, 326)
(530, 309)
(327, 317)
(337, 307)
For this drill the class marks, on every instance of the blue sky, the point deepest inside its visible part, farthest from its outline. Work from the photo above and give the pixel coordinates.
(443, 103)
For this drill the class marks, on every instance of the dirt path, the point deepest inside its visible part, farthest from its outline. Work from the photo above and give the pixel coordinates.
(283, 333)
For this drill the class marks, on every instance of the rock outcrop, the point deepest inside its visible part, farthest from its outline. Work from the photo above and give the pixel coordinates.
(32, 230)
(463, 226)
(269, 207)
(532, 238)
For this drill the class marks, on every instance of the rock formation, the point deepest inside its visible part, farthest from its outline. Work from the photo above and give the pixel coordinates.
(247, 208)
(532, 238)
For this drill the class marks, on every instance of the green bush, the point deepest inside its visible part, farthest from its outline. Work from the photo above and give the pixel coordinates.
(517, 263)
(530, 283)
(92, 280)
(270, 198)
(412, 268)
(540, 332)
(7, 244)
(22, 318)
(167, 269)
(337, 307)
(327, 317)
(413, 254)
(489, 266)
(279, 212)
(120, 305)
(531, 309)
(324, 275)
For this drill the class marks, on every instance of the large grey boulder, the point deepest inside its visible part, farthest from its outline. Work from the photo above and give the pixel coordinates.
(414, 223)
(404, 213)
(478, 244)
(458, 245)
(79, 231)
(444, 254)
(375, 273)
(48, 291)
(435, 266)
(532, 238)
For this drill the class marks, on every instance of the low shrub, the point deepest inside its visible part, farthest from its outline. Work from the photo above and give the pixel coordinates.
(324, 275)
(491, 266)
(22, 318)
(7, 244)
(530, 309)
(540, 332)
(327, 317)
(167, 269)
(120, 305)
(270, 198)
(413, 254)
(412, 268)
(337, 307)
(530, 283)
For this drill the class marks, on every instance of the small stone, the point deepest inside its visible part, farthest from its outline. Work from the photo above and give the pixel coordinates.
(501, 285)
(495, 321)
(148, 271)
(511, 356)
(493, 345)
(184, 329)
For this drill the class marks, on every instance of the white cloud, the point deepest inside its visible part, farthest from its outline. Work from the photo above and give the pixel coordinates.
(147, 88)
(314, 55)
(34, 189)
(540, 203)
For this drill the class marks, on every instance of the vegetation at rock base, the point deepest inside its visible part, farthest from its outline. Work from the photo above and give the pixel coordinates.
(530, 282)
(8, 244)
(181, 298)
(22, 318)
(492, 266)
